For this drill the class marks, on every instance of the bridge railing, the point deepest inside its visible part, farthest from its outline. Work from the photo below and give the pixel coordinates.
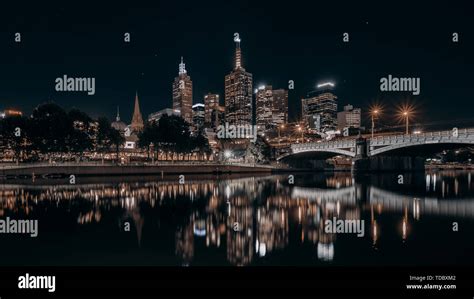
(393, 139)
(339, 144)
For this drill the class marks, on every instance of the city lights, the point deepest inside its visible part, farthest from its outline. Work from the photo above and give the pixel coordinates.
(326, 84)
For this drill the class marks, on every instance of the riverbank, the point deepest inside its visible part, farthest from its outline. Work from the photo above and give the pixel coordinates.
(449, 167)
(97, 169)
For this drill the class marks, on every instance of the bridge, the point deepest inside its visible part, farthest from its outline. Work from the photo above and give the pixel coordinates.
(402, 145)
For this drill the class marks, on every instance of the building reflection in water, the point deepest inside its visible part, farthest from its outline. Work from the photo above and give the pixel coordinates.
(251, 218)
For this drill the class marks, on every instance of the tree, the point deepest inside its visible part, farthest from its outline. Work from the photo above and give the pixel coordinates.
(116, 140)
(258, 152)
(200, 144)
(80, 138)
(148, 136)
(51, 129)
(171, 133)
(107, 137)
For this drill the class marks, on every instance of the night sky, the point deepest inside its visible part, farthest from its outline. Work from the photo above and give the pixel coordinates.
(281, 41)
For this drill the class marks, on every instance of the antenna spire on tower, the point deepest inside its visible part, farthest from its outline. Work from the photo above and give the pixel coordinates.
(238, 53)
(182, 67)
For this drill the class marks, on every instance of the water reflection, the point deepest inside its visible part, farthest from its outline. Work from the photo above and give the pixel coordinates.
(255, 220)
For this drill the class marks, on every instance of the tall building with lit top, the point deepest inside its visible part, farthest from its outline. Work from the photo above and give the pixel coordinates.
(238, 92)
(183, 93)
(319, 108)
(198, 116)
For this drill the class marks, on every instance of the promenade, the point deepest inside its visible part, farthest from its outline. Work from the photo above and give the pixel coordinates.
(110, 169)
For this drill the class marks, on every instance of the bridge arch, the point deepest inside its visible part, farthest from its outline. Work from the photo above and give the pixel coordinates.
(330, 151)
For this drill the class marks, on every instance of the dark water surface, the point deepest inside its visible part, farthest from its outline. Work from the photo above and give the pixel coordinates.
(212, 220)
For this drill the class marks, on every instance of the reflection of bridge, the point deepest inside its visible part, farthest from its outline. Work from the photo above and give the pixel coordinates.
(390, 201)
(425, 205)
(344, 195)
(385, 144)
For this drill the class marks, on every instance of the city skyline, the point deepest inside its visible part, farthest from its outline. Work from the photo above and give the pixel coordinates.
(274, 54)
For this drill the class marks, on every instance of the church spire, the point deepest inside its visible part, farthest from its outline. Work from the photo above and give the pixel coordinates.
(137, 120)
(118, 114)
(182, 67)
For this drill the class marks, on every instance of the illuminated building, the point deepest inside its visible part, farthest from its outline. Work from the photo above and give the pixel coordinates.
(183, 93)
(264, 106)
(271, 107)
(10, 112)
(238, 92)
(217, 116)
(280, 107)
(155, 116)
(198, 116)
(349, 118)
(211, 101)
(319, 108)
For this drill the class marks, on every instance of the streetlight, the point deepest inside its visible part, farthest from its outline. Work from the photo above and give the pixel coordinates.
(404, 114)
(373, 114)
(279, 135)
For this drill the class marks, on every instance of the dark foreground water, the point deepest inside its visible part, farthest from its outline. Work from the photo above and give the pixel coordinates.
(242, 220)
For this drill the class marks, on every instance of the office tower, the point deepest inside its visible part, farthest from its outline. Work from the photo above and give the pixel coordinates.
(238, 92)
(280, 107)
(183, 93)
(198, 116)
(264, 107)
(349, 118)
(319, 109)
(217, 117)
(211, 101)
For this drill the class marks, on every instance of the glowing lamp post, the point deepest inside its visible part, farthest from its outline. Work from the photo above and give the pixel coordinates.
(374, 113)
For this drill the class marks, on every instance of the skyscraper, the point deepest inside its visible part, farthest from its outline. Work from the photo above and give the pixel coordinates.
(211, 101)
(271, 107)
(183, 93)
(319, 108)
(264, 106)
(238, 92)
(137, 120)
(280, 107)
(198, 116)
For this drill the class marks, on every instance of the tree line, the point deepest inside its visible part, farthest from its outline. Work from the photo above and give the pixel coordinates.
(52, 130)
